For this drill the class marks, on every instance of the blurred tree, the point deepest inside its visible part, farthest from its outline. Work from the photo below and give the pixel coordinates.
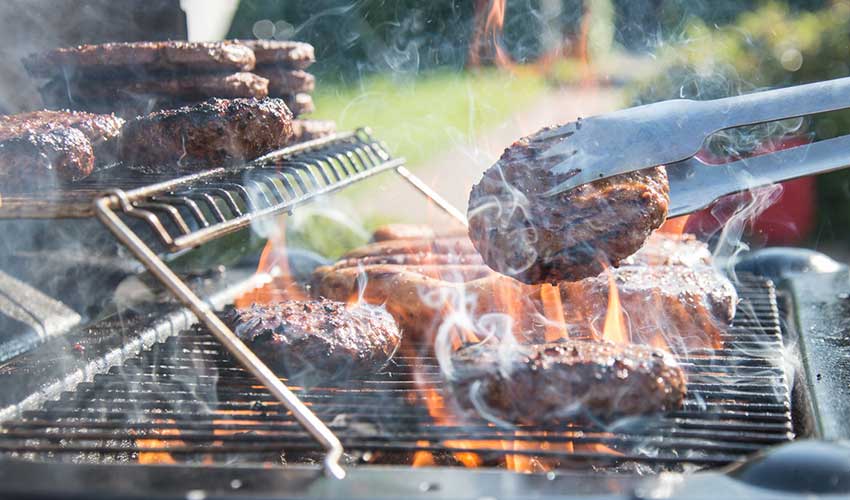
(403, 36)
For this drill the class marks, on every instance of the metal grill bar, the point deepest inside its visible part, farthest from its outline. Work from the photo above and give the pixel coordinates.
(188, 398)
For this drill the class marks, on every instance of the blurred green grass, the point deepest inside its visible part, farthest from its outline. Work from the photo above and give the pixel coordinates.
(421, 117)
(418, 119)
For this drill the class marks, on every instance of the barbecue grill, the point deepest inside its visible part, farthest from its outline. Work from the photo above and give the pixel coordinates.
(164, 382)
(187, 394)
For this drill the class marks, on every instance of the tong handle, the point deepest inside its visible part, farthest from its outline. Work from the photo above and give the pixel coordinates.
(779, 104)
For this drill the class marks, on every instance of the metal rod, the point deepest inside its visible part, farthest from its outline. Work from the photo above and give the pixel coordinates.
(222, 228)
(425, 189)
(313, 425)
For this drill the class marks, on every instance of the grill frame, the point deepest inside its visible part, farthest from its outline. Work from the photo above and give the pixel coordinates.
(742, 435)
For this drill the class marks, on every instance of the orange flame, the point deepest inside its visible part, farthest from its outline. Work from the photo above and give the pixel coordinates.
(487, 34)
(158, 457)
(553, 310)
(675, 225)
(275, 263)
(615, 329)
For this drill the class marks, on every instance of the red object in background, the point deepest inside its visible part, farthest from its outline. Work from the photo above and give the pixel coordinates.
(788, 221)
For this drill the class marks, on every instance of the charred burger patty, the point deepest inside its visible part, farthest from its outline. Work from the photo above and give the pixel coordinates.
(216, 131)
(565, 382)
(526, 233)
(318, 339)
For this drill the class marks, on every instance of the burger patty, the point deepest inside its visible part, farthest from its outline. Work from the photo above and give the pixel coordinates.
(306, 130)
(97, 128)
(318, 339)
(281, 53)
(526, 233)
(287, 81)
(662, 249)
(218, 131)
(565, 382)
(43, 160)
(689, 307)
(140, 59)
(40, 148)
(300, 104)
(61, 92)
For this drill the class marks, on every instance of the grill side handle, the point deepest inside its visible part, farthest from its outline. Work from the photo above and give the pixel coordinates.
(103, 208)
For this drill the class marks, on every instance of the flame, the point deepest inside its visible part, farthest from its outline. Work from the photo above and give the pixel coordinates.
(675, 226)
(487, 34)
(275, 264)
(553, 310)
(158, 457)
(438, 411)
(423, 458)
(615, 329)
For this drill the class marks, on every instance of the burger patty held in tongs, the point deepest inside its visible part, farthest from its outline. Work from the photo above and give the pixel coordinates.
(313, 341)
(527, 233)
(565, 382)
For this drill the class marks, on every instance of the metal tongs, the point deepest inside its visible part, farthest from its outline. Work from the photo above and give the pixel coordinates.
(671, 132)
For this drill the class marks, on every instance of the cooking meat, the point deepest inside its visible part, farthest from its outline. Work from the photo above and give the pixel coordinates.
(281, 53)
(689, 306)
(416, 296)
(44, 159)
(83, 94)
(306, 130)
(412, 232)
(524, 232)
(216, 131)
(96, 128)
(40, 148)
(300, 104)
(662, 249)
(140, 59)
(287, 81)
(565, 382)
(318, 340)
(420, 279)
(439, 246)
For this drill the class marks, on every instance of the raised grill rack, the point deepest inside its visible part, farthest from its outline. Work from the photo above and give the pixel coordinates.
(187, 397)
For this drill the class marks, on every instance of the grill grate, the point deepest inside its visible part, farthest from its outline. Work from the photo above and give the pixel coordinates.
(181, 210)
(186, 400)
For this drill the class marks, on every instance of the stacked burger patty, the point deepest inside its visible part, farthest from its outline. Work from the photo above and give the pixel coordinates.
(186, 104)
(137, 78)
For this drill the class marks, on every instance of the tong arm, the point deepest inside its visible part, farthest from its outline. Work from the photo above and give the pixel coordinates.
(695, 185)
(667, 132)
